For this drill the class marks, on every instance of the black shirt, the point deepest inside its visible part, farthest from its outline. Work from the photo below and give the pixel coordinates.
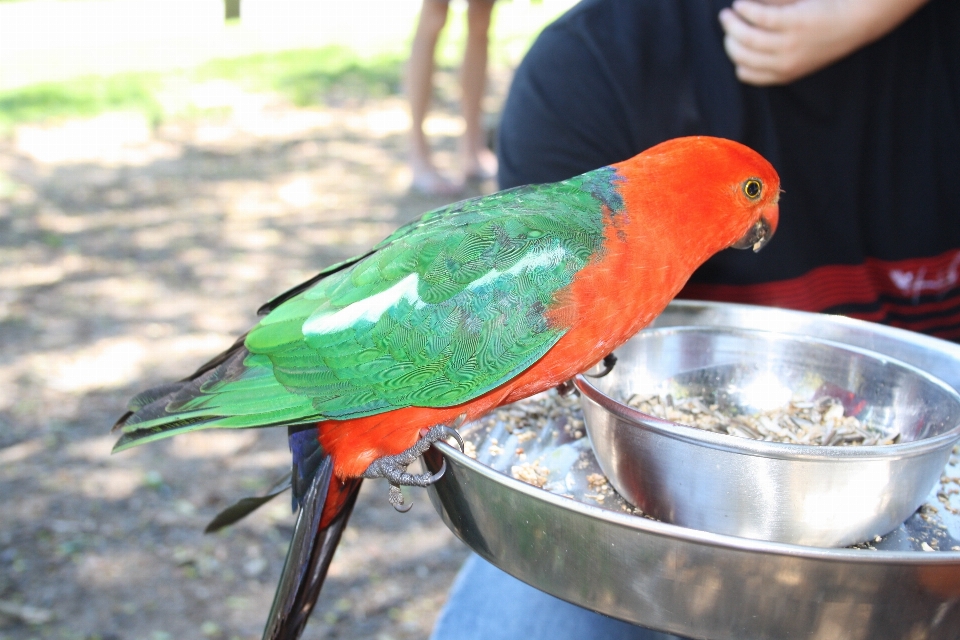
(868, 149)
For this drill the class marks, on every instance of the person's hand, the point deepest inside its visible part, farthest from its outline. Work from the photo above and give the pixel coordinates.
(779, 41)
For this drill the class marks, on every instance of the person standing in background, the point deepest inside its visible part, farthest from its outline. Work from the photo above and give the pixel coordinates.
(477, 161)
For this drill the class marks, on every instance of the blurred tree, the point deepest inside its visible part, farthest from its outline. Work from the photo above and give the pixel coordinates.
(231, 9)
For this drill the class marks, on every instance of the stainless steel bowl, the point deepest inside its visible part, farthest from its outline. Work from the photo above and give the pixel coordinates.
(801, 494)
(706, 585)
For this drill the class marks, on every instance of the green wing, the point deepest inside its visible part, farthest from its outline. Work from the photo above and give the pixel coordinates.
(444, 310)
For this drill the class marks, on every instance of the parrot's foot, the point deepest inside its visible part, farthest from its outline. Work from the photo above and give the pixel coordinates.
(394, 468)
(566, 388)
(609, 361)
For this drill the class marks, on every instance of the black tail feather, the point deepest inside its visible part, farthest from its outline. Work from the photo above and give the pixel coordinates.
(245, 506)
(308, 558)
(220, 358)
(148, 397)
(155, 402)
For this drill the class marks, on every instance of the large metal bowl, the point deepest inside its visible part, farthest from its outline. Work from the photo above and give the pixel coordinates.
(825, 496)
(707, 585)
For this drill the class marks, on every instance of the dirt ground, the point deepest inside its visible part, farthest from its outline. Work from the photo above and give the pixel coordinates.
(129, 255)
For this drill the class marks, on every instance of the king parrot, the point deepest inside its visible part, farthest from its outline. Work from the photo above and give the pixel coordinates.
(472, 306)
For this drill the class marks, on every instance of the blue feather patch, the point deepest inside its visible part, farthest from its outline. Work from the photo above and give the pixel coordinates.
(308, 455)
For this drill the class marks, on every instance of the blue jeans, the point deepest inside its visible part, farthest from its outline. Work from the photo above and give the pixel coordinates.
(487, 604)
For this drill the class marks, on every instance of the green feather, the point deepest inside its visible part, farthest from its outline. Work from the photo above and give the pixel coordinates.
(445, 309)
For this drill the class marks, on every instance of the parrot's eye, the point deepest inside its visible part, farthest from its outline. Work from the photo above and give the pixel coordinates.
(752, 188)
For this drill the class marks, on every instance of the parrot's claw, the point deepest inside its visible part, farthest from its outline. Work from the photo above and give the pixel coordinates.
(394, 468)
(566, 388)
(395, 497)
(397, 475)
(453, 433)
(609, 361)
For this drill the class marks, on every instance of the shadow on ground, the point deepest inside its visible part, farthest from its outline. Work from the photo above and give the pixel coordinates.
(128, 256)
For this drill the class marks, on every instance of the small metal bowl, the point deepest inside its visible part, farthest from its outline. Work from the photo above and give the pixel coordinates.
(827, 496)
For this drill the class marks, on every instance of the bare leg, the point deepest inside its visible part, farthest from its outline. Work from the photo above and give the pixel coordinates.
(426, 178)
(478, 161)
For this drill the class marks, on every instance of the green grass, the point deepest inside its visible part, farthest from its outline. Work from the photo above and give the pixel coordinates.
(305, 76)
(308, 77)
(81, 97)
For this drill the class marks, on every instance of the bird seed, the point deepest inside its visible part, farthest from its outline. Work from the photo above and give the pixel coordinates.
(817, 422)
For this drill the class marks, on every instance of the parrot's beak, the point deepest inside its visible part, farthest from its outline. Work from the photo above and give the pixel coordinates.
(761, 231)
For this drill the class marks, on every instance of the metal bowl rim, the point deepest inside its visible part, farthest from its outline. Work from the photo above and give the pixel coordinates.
(775, 450)
(663, 529)
(897, 334)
